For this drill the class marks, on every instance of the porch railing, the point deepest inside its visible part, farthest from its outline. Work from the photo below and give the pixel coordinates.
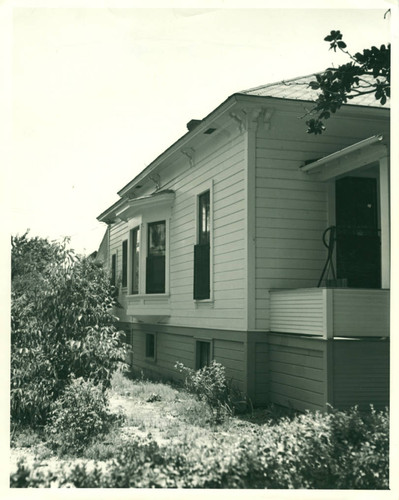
(330, 312)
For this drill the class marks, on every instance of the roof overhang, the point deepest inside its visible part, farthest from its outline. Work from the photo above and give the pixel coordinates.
(355, 156)
(126, 208)
(184, 143)
(162, 200)
(109, 215)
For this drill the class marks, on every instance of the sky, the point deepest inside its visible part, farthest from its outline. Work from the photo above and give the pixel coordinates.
(98, 93)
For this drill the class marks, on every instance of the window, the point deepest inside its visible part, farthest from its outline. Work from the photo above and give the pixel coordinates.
(113, 269)
(135, 239)
(203, 353)
(202, 249)
(124, 263)
(150, 345)
(156, 250)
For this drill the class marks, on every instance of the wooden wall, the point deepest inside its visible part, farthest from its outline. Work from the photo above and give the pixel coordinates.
(222, 163)
(297, 372)
(292, 207)
(360, 373)
(178, 344)
(298, 311)
(363, 313)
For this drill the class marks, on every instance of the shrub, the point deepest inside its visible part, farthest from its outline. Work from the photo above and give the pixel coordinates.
(79, 414)
(313, 450)
(61, 326)
(210, 385)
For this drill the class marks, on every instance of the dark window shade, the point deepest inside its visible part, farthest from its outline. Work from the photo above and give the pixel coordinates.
(155, 274)
(124, 263)
(203, 354)
(201, 272)
(113, 270)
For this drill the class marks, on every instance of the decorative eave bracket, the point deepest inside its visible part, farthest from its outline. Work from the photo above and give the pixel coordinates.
(190, 154)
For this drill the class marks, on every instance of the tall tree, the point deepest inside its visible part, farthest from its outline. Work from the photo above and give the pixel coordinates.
(367, 72)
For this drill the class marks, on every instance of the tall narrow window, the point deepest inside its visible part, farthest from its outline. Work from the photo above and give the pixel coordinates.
(155, 272)
(124, 263)
(202, 249)
(135, 239)
(113, 269)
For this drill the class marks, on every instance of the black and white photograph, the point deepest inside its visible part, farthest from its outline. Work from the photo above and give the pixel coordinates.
(199, 235)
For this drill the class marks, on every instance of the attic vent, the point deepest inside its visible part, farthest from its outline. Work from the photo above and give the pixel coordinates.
(192, 124)
(209, 131)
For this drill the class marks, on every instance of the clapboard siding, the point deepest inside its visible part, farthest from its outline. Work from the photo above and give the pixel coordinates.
(291, 212)
(361, 373)
(361, 313)
(298, 311)
(348, 312)
(297, 372)
(225, 167)
(181, 346)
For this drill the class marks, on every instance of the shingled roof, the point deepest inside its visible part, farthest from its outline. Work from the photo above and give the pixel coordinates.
(298, 89)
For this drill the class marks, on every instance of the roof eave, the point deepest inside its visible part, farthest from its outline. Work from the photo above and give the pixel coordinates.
(181, 142)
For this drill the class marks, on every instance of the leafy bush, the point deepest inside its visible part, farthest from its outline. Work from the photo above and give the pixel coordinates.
(61, 326)
(338, 450)
(210, 385)
(79, 414)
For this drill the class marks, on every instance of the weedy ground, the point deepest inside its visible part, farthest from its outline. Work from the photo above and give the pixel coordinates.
(167, 413)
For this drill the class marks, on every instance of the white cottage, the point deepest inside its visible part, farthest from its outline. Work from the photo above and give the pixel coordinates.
(217, 250)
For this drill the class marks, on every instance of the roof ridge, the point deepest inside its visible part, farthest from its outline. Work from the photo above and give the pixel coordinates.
(279, 82)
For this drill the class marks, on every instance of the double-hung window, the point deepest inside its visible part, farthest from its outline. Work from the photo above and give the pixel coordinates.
(202, 252)
(156, 251)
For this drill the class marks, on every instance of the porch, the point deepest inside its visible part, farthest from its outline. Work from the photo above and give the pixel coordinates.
(330, 312)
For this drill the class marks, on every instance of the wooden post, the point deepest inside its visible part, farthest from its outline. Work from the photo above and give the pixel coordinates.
(384, 208)
(328, 303)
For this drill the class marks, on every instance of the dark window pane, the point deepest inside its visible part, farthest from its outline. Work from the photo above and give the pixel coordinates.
(135, 238)
(204, 223)
(201, 272)
(124, 263)
(113, 270)
(155, 269)
(156, 238)
(203, 354)
(150, 345)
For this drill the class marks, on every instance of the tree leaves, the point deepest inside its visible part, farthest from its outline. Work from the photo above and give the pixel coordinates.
(61, 325)
(368, 72)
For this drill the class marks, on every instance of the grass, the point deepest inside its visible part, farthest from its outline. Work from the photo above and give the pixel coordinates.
(166, 412)
(231, 453)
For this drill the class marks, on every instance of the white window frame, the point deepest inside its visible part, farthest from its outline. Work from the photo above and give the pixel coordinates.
(151, 215)
(206, 186)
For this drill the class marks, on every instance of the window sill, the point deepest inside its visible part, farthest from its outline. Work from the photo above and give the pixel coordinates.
(204, 304)
(147, 296)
